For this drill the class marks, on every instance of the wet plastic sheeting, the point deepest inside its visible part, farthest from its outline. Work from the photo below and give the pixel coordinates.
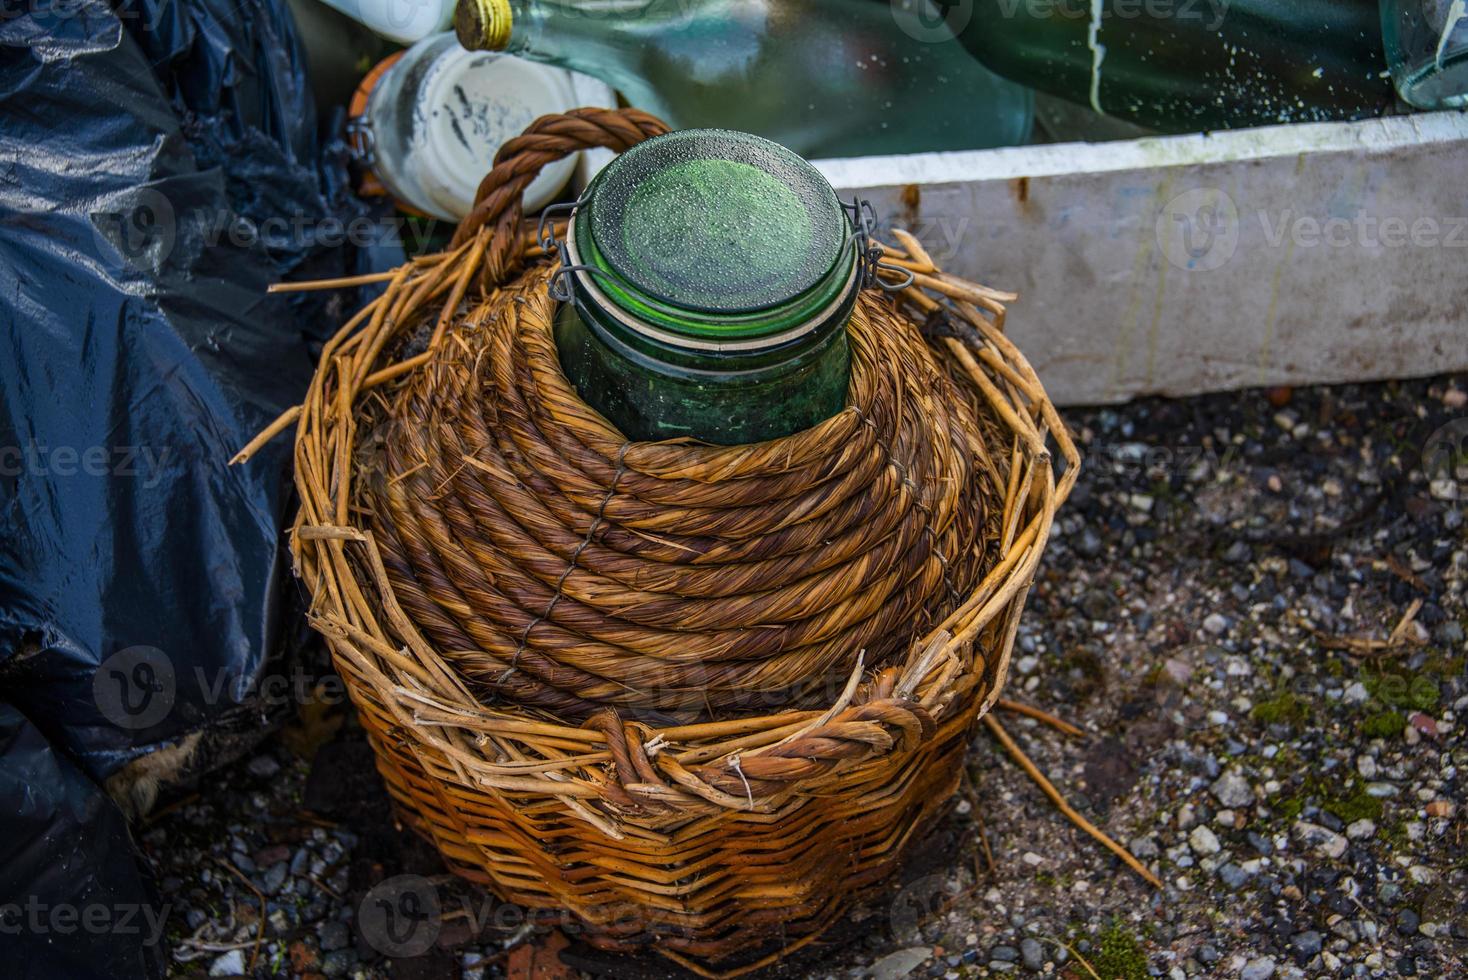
(74, 905)
(159, 167)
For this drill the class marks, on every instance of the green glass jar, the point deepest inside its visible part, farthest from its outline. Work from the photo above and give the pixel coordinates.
(711, 276)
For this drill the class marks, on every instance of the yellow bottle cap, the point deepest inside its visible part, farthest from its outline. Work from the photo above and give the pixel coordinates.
(483, 25)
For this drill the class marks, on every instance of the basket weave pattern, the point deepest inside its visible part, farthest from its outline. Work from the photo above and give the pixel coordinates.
(557, 565)
(503, 581)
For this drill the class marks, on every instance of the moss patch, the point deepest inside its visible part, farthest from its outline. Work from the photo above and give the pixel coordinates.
(1383, 724)
(1119, 955)
(1286, 707)
(1445, 665)
(1290, 807)
(1354, 803)
(1413, 691)
(1349, 802)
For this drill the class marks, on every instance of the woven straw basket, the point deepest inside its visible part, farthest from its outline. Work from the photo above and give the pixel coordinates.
(721, 844)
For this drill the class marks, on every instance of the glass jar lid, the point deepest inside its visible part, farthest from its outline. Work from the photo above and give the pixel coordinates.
(712, 233)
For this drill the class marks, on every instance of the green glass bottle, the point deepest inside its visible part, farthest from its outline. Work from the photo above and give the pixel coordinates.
(711, 275)
(1189, 65)
(826, 78)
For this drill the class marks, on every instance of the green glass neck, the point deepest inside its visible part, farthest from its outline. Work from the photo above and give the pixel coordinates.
(604, 38)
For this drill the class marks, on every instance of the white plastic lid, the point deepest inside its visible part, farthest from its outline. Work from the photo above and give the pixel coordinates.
(473, 102)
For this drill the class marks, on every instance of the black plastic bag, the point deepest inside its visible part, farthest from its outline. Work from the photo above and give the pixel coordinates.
(72, 903)
(159, 168)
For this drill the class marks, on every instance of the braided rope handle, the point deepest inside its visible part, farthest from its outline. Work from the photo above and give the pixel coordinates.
(499, 201)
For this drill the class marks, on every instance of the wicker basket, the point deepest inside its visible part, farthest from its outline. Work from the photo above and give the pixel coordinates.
(719, 844)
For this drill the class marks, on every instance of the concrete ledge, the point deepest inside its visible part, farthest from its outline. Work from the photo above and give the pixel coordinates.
(1174, 265)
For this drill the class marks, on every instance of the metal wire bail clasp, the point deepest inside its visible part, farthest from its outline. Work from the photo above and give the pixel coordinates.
(863, 224)
(362, 141)
(560, 287)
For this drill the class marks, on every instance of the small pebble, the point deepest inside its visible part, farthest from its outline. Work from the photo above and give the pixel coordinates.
(1232, 875)
(1326, 842)
(1259, 969)
(1232, 789)
(1307, 944)
(1203, 840)
(231, 964)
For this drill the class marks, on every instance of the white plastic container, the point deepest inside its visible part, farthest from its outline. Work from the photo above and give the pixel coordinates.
(403, 21)
(436, 117)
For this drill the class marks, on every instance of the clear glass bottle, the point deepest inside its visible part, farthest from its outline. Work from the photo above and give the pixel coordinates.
(826, 78)
(1427, 49)
(712, 277)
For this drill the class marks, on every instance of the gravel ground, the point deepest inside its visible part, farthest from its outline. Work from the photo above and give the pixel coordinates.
(1254, 607)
